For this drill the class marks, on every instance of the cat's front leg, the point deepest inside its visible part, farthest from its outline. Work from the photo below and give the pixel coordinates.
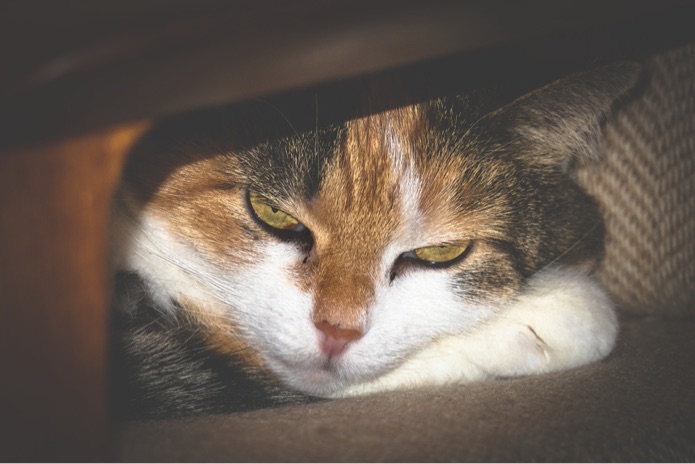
(564, 319)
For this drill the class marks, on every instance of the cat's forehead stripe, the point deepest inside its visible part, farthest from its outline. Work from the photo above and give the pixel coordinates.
(373, 171)
(403, 166)
(368, 186)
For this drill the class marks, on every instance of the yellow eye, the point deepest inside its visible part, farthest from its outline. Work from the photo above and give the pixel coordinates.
(441, 253)
(271, 216)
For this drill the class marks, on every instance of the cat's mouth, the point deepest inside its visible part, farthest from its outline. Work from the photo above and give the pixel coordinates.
(329, 365)
(324, 375)
(321, 380)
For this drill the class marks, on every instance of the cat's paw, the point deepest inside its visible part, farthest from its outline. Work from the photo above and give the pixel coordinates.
(445, 361)
(564, 320)
(518, 350)
(501, 350)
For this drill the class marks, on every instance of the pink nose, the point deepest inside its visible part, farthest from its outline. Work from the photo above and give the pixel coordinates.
(335, 339)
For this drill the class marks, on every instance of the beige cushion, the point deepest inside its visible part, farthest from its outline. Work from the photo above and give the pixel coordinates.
(636, 405)
(645, 184)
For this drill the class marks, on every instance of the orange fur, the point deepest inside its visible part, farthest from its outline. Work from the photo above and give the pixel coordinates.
(222, 334)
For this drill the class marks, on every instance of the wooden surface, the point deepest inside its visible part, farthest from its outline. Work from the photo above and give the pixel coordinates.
(53, 292)
(75, 65)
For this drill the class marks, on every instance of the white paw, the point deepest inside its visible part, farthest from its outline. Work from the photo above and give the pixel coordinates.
(443, 362)
(514, 350)
(564, 320)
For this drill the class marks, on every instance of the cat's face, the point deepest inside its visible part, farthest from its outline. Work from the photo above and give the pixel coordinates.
(331, 255)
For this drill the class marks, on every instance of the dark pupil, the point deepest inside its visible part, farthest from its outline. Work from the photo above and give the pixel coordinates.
(274, 210)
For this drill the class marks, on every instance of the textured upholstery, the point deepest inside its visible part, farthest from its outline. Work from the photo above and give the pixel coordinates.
(645, 184)
(638, 405)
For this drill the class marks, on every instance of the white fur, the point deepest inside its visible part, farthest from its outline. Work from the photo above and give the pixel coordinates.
(398, 326)
(562, 321)
(404, 169)
(419, 332)
(275, 316)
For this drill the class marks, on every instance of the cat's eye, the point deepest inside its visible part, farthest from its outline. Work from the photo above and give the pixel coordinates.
(441, 254)
(433, 257)
(271, 216)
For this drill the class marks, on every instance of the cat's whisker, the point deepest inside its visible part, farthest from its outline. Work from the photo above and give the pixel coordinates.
(570, 248)
(194, 333)
(168, 316)
(206, 281)
(316, 126)
(502, 147)
(475, 124)
(266, 102)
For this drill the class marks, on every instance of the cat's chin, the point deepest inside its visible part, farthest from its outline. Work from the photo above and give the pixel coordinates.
(317, 383)
(328, 378)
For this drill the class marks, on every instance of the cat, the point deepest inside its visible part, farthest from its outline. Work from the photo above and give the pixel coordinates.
(263, 257)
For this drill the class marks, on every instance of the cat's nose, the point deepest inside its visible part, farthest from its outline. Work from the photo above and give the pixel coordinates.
(336, 338)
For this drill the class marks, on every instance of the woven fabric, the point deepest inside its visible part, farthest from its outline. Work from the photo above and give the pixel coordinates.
(645, 185)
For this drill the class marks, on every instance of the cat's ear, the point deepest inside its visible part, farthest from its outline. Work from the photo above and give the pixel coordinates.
(562, 121)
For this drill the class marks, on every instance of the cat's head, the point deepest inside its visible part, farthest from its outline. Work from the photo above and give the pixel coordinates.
(330, 253)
